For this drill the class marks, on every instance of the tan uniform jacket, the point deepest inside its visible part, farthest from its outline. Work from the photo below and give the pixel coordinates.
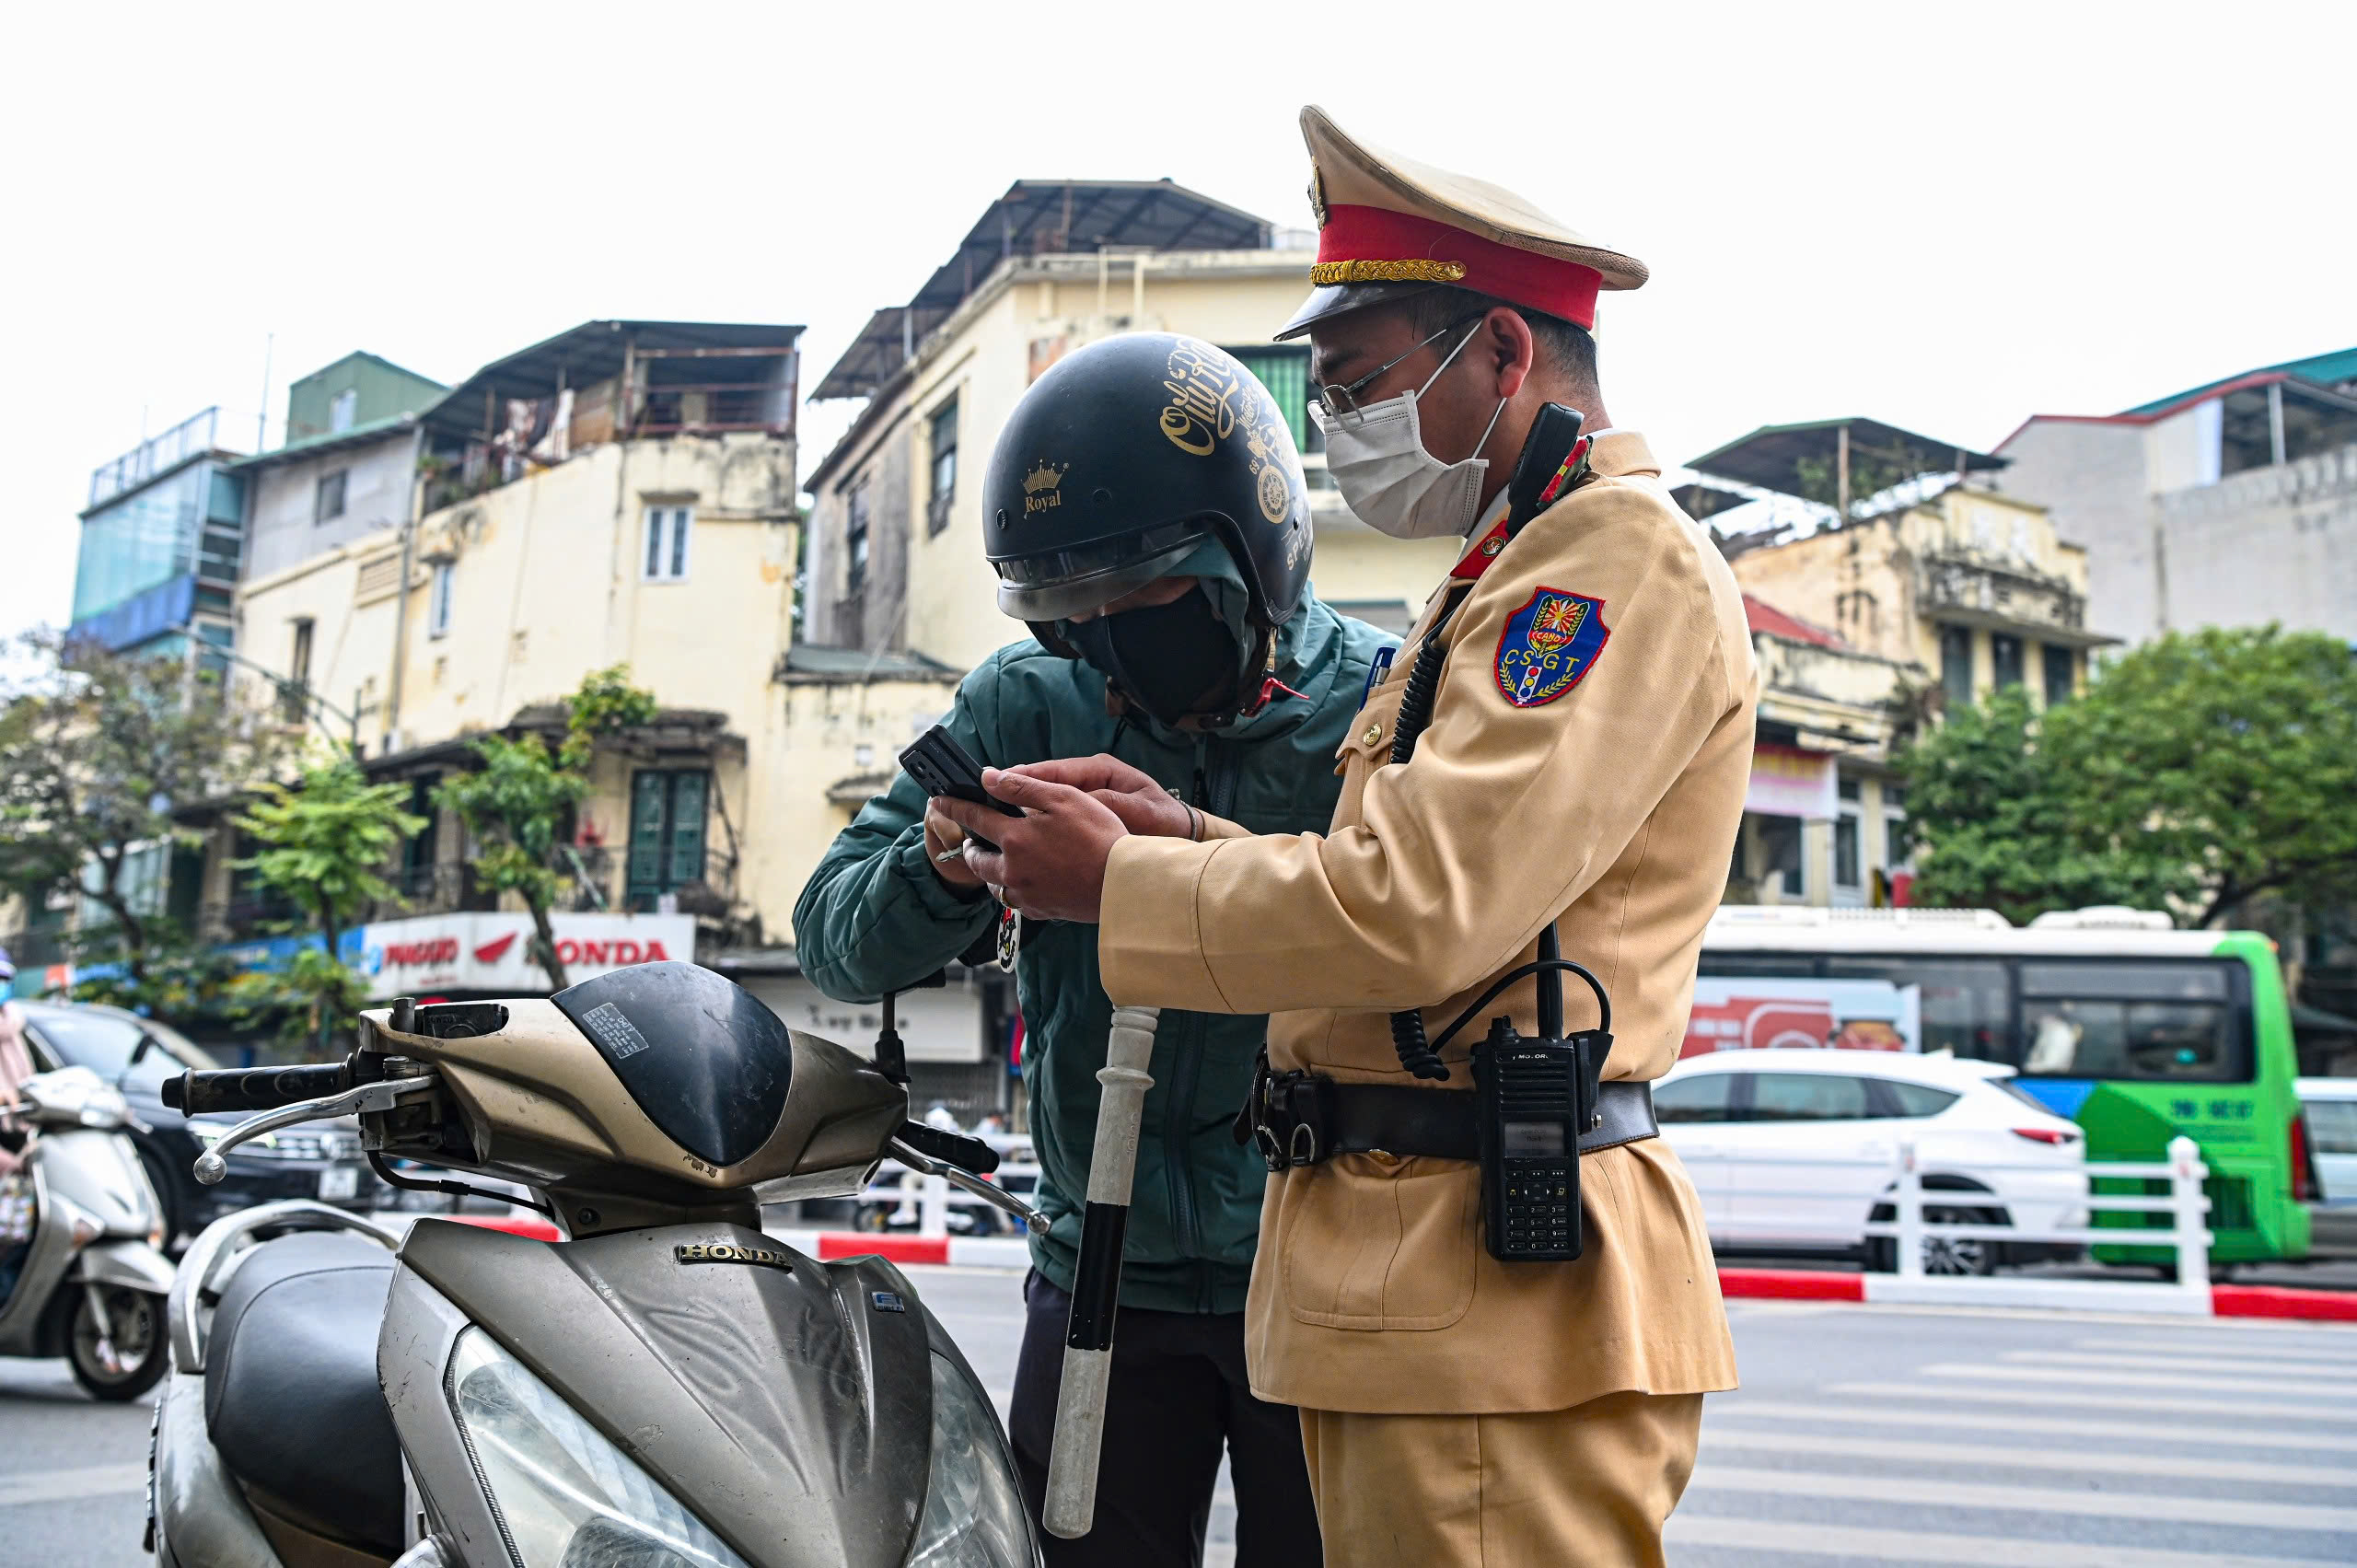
(1612, 808)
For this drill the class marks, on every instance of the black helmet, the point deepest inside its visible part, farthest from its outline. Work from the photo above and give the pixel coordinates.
(1124, 458)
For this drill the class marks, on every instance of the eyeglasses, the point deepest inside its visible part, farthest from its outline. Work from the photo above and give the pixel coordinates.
(1342, 401)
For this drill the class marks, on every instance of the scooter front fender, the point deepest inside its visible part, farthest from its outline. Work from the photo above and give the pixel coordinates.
(134, 1265)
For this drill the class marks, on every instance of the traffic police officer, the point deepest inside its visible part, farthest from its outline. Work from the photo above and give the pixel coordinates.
(1585, 765)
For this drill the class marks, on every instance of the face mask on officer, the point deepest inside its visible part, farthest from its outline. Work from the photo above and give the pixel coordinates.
(1174, 659)
(1377, 458)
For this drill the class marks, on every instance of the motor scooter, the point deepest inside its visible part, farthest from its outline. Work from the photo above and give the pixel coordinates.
(666, 1387)
(92, 1286)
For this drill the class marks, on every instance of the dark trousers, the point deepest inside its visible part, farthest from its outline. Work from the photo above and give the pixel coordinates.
(1178, 1396)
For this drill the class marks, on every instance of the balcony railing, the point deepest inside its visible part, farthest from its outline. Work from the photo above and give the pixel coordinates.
(1996, 593)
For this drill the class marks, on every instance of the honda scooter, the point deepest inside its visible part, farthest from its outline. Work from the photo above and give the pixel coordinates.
(92, 1286)
(667, 1388)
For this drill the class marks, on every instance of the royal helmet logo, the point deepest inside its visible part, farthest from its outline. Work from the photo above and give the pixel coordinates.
(1042, 487)
(724, 1253)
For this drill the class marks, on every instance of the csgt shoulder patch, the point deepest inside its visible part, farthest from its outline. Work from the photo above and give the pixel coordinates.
(1549, 645)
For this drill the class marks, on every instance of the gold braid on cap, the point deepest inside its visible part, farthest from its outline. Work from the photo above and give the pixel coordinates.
(1325, 275)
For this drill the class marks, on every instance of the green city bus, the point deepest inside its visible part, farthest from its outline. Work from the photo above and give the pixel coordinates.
(2136, 1031)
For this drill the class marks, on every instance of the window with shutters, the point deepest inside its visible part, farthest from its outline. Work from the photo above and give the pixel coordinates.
(1284, 370)
(667, 829)
(667, 543)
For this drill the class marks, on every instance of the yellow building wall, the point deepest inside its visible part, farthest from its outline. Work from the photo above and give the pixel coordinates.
(1233, 299)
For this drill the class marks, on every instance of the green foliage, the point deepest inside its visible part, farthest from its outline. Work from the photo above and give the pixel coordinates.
(514, 803)
(1820, 479)
(96, 752)
(180, 982)
(2198, 771)
(606, 705)
(326, 840)
(2001, 816)
(302, 1005)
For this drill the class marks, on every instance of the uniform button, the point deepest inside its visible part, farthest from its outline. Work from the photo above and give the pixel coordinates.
(1373, 733)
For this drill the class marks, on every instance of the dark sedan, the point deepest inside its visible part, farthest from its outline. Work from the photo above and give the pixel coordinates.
(322, 1160)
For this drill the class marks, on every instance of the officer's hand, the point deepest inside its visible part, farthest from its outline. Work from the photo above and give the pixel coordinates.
(1143, 806)
(1050, 860)
(942, 838)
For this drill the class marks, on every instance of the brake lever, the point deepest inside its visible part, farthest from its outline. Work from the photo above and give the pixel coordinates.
(989, 1192)
(383, 1094)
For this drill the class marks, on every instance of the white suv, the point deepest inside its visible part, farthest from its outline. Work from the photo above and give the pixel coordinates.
(1794, 1151)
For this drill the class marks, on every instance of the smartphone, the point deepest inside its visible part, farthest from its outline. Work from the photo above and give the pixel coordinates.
(941, 767)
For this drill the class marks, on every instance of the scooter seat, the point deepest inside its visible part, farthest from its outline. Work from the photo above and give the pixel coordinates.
(291, 1398)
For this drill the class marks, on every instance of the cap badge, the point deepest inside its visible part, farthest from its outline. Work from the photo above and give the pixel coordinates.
(1325, 275)
(1318, 195)
(1040, 488)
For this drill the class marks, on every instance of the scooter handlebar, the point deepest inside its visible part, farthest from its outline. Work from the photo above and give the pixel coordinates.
(254, 1088)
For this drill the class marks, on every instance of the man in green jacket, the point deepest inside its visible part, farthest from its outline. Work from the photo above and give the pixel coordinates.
(1146, 513)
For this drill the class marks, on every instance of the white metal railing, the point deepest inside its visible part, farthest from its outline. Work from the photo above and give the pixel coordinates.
(2185, 1203)
(930, 1197)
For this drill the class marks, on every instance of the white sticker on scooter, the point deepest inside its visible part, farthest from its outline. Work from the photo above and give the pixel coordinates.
(616, 1033)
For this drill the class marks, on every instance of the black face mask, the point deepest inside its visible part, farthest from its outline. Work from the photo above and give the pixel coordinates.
(1174, 659)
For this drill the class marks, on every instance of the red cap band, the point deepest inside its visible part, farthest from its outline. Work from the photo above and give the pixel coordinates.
(1378, 234)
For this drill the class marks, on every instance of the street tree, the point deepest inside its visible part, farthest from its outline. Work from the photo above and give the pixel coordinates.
(1997, 823)
(516, 804)
(325, 842)
(2196, 773)
(99, 753)
(2233, 753)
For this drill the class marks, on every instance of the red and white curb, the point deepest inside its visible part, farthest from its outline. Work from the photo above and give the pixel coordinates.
(1774, 1284)
(2003, 1290)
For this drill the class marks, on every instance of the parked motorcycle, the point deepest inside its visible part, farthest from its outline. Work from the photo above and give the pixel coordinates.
(668, 1388)
(91, 1286)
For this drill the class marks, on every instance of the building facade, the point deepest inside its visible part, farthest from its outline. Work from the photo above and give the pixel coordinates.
(896, 551)
(2231, 505)
(163, 543)
(346, 467)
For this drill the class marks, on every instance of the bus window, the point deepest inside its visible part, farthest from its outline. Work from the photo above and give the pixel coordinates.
(2133, 1020)
(1967, 1003)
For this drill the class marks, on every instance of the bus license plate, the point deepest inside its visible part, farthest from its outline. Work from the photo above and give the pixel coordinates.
(339, 1181)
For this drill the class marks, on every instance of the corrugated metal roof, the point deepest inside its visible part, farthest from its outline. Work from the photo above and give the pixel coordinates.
(313, 445)
(1769, 457)
(1042, 217)
(815, 663)
(1762, 616)
(2329, 369)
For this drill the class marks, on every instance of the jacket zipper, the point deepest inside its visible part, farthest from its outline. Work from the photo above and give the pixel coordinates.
(1214, 792)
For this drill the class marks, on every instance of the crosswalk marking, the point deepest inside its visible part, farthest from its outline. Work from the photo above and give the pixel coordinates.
(1720, 1434)
(62, 1486)
(2222, 1364)
(1925, 1418)
(1925, 1548)
(2049, 1400)
(2283, 1349)
(2247, 1387)
(2143, 1505)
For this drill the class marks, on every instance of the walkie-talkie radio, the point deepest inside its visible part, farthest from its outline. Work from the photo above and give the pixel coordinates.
(941, 767)
(1538, 1098)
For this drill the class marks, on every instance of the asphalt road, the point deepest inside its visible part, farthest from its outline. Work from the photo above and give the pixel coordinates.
(1861, 1435)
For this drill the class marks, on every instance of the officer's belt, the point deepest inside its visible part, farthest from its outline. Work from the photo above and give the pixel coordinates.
(1299, 1119)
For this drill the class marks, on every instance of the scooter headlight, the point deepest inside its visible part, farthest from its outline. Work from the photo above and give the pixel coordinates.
(973, 1512)
(564, 1496)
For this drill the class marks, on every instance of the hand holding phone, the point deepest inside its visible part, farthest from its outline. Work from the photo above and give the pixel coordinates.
(941, 767)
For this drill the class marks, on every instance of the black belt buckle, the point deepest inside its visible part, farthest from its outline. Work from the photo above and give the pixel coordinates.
(1290, 1119)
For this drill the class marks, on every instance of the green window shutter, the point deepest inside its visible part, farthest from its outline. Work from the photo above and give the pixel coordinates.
(1285, 372)
(647, 801)
(687, 829)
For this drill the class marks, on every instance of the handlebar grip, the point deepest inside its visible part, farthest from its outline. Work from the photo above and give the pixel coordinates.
(953, 1148)
(254, 1088)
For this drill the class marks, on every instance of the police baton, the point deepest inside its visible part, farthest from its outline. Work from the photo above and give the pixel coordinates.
(1096, 1282)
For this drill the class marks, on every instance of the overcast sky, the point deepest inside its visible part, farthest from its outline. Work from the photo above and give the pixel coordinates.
(1946, 216)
